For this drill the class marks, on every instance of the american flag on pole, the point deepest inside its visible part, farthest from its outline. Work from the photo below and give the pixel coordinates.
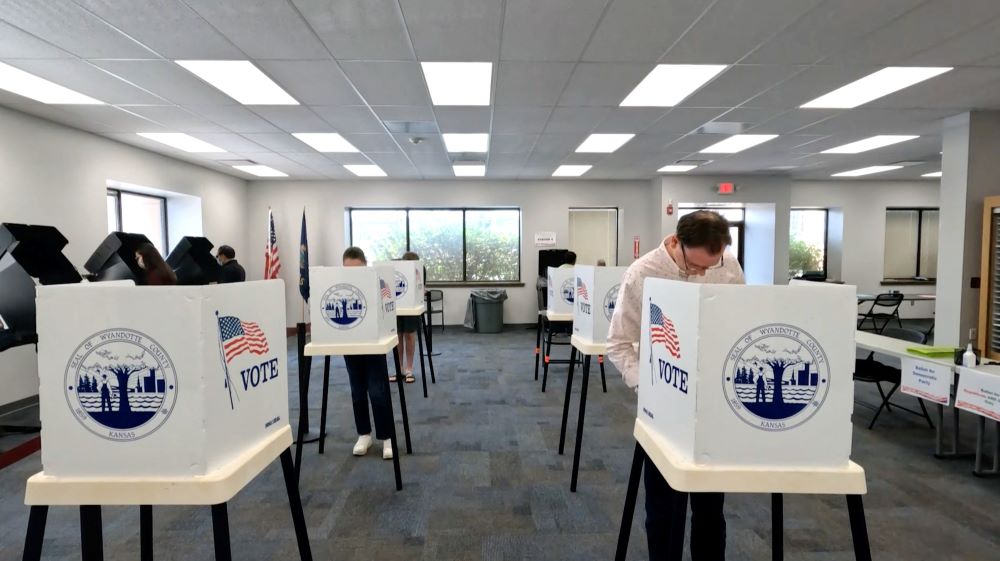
(581, 289)
(239, 337)
(661, 330)
(272, 264)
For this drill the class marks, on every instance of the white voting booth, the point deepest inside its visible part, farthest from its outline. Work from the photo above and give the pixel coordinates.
(352, 305)
(562, 291)
(596, 293)
(408, 283)
(748, 388)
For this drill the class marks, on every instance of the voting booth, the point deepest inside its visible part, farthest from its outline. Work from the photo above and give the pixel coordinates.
(748, 376)
(562, 291)
(161, 382)
(596, 293)
(352, 305)
(408, 282)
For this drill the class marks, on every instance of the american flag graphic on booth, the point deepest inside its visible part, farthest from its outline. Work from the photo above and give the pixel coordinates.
(581, 289)
(384, 288)
(661, 330)
(239, 337)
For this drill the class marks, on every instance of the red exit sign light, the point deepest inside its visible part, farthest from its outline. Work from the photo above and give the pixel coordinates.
(726, 188)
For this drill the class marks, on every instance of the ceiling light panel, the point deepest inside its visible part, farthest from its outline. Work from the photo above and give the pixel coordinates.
(570, 171)
(600, 143)
(669, 84)
(365, 170)
(932, 174)
(329, 142)
(470, 171)
(181, 141)
(28, 85)
(871, 143)
(240, 80)
(261, 171)
(866, 171)
(466, 142)
(738, 143)
(876, 85)
(459, 83)
(676, 168)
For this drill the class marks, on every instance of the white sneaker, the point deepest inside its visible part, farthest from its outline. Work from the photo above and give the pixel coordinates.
(363, 444)
(386, 449)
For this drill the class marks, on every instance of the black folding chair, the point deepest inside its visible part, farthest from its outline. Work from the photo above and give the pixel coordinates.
(874, 372)
(433, 296)
(883, 310)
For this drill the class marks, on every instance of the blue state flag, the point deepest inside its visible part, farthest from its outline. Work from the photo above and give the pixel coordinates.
(304, 261)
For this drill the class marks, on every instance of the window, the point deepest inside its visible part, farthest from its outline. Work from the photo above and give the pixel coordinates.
(736, 218)
(457, 245)
(911, 244)
(139, 214)
(807, 241)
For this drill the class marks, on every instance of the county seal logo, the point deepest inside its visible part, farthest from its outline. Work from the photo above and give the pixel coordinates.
(566, 291)
(343, 306)
(776, 377)
(401, 285)
(609, 301)
(120, 384)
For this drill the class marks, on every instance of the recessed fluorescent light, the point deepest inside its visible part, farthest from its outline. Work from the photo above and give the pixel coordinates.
(932, 174)
(476, 170)
(866, 171)
(463, 142)
(240, 80)
(874, 86)
(459, 83)
(325, 141)
(261, 171)
(738, 143)
(181, 141)
(669, 84)
(28, 85)
(870, 144)
(675, 169)
(365, 170)
(604, 143)
(570, 171)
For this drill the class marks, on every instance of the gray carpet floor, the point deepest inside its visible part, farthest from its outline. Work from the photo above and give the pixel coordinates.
(485, 483)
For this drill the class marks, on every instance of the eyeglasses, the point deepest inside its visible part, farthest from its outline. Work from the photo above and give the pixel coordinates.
(695, 269)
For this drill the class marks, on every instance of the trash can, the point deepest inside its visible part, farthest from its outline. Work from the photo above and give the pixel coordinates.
(485, 311)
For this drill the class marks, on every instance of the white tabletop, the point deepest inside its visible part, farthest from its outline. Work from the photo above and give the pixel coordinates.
(210, 489)
(862, 297)
(379, 348)
(410, 312)
(896, 347)
(552, 316)
(588, 347)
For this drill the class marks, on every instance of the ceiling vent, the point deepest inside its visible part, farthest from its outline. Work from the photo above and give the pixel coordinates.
(236, 162)
(720, 127)
(467, 158)
(411, 127)
(908, 163)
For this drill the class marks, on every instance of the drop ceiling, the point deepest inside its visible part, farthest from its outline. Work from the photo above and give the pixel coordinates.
(560, 70)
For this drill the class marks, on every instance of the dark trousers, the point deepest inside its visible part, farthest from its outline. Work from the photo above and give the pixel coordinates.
(708, 523)
(369, 378)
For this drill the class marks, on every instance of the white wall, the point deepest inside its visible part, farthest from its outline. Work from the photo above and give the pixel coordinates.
(544, 206)
(55, 175)
(863, 205)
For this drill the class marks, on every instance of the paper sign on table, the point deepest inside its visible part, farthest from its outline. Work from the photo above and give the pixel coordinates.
(979, 393)
(926, 380)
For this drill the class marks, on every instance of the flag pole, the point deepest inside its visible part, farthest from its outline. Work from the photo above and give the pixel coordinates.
(225, 365)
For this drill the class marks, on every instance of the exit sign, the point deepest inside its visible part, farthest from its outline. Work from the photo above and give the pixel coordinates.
(726, 188)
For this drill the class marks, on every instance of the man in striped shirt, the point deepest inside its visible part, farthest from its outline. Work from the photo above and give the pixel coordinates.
(696, 253)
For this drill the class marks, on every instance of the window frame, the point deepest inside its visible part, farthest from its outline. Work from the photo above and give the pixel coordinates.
(165, 231)
(920, 210)
(741, 225)
(618, 224)
(465, 243)
(826, 234)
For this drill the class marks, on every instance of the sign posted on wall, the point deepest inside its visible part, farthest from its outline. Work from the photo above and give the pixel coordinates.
(926, 380)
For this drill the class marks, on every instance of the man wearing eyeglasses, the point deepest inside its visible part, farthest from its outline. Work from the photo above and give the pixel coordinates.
(696, 253)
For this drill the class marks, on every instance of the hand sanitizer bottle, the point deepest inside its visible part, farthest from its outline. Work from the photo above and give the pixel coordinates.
(969, 357)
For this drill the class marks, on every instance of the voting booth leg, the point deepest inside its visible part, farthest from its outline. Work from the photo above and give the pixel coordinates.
(625, 531)
(392, 435)
(402, 402)
(579, 423)
(295, 504)
(146, 533)
(36, 533)
(220, 531)
(420, 348)
(604, 380)
(91, 539)
(978, 470)
(548, 354)
(859, 530)
(305, 365)
(538, 344)
(326, 399)
(777, 527)
(430, 355)
(565, 413)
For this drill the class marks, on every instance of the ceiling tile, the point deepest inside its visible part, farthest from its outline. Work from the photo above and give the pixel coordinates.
(808, 85)
(576, 119)
(262, 29)
(167, 80)
(463, 119)
(388, 83)
(429, 144)
(739, 84)
(312, 82)
(112, 118)
(235, 118)
(168, 27)
(404, 112)
(352, 30)
(682, 120)
(630, 119)
(641, 30)
(87, 79)
(520, 120)
(964, 49)
(354, 158)
(15, 43)
(558, 145)
(350, 118)
(511, 144)
(231, 142)
(789, 121)
(292, 118)
(531, 83)
(176, 118)
(454, 30)
(506, 166)
(395, 165)
(602, 83)
(555, 30)
(278, 142)
(370, 143)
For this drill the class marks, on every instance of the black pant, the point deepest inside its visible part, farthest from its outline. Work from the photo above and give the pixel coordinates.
(708, 523)
(369, 377)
